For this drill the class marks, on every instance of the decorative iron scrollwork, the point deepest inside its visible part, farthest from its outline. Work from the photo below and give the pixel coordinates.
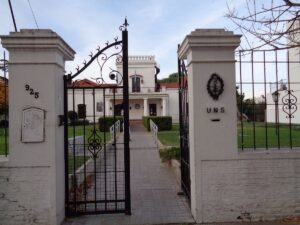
(103, 56)
(289, 104)
(215, 86)
(95, 144)
(124, 26)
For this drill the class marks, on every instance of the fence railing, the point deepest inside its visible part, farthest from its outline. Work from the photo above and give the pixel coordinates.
(154, 131)
(114, 130)
(268, 93)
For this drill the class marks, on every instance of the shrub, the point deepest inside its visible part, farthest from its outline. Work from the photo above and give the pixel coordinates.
(79, 122)
(81, 111)
(162, 122)
(169, 153)
(72, 115)
(4, 123)
(105, 124)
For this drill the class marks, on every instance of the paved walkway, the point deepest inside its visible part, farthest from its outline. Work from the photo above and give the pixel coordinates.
(154, 189)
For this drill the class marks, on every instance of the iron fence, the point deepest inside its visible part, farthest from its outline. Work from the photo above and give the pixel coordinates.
(268, 89)
(4, 106)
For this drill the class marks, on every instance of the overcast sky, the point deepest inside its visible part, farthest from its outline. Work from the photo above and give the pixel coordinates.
(156, 26)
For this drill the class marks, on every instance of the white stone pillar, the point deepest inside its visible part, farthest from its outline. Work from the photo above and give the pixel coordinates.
(213, 136)
(146, 110)
(164, 106)
(37, 59)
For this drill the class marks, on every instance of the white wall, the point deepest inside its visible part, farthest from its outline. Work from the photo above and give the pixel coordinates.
(282, 116)
(173, 104)
(263, 185)
(89, 101)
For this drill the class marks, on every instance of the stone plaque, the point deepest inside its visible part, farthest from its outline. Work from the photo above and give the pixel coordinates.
(33, 123)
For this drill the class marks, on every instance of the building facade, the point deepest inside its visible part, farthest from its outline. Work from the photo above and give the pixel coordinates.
(146, 96)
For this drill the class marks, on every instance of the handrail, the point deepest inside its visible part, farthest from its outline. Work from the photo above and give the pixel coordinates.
(115, 130)
(154, 131)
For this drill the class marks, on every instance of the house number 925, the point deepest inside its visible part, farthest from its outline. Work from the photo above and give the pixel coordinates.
(31, 91)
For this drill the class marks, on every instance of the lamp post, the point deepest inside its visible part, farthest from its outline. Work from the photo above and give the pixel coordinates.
(275, 96)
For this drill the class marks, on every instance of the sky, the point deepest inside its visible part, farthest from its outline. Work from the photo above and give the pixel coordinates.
(156, 27)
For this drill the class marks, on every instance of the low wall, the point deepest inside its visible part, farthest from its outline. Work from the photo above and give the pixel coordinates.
(255, 186)
(22, 196)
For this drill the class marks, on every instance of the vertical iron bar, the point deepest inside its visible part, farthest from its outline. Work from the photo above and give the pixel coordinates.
(265, 87)
(253, 99)
(74, 154)
(84, 153)
(126, 122)
(241, 102)
(12, 15)
(6, 105)
(276, 105)
(94, 146)
(115, 149)
(180, 119)
(289, 89)
(105, 169)
(66, 150)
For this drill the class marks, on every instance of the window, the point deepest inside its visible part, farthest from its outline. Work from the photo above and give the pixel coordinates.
(99, 106)
(136, 84)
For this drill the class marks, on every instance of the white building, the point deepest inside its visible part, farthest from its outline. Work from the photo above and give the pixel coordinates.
(145, 97)
(281, 109)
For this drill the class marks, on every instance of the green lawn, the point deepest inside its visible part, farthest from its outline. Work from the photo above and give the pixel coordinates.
(170, 138)
(265, 136)
(79, 160)
(2, 141)
(79, 131)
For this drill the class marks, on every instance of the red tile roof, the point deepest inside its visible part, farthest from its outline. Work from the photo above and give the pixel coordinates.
(169, 85)
(89, 83)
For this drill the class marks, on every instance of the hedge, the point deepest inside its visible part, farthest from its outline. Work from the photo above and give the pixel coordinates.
(162, 122)
(79, 122)
(105, 124)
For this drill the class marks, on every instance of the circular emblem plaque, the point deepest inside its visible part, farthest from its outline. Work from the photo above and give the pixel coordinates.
(215, 86)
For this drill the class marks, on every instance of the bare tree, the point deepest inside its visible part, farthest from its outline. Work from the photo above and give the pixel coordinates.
(272, 24)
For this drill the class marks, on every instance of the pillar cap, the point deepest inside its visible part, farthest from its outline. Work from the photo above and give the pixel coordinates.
(37, 39)
(208, 38)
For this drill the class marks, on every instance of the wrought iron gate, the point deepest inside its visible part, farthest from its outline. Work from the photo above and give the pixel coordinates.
(96, 139)
(184, 128)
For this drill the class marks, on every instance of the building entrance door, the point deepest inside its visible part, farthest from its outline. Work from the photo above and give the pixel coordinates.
(152, 110)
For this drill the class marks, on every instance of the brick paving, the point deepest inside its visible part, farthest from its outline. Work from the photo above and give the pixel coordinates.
(154, 189)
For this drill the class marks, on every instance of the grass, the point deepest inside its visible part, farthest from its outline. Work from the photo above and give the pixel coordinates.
(79, 131)
(169, 153)
(264, 136)
(170, 137)
(79, 160)
(2, 141)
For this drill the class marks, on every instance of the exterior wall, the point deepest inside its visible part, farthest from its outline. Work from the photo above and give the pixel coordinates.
(144, 67)
(89, 102)
(294, 71)
(255, 186)
(135, 114)
(173, 104)
(22, 195)
(282, 116)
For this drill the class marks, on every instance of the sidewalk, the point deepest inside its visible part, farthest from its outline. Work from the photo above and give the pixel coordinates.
(154, 189)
